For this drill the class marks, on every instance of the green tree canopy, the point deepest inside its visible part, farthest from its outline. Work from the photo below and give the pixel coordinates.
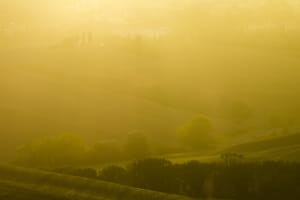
(196, 134)
(64, 149)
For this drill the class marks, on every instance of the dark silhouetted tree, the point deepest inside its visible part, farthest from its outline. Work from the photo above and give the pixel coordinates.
(64, 149)
(114, 174)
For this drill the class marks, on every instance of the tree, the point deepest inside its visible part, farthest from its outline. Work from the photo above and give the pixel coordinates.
(114, 174)
(195, 178)
(154, 174)
(55, 151)
(197, 134)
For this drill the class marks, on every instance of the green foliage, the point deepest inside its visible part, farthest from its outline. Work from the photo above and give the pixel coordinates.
(233, 178)
(114, 174)
(197, 134)
(154, 174)
(64, 149)
(225, 180)
(70, 150)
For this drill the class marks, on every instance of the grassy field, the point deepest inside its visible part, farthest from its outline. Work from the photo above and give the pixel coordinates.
(16, 191)
(277, 148)
(23, 184)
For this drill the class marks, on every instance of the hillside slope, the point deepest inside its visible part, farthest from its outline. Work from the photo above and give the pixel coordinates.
(278, 148)
(22, 184)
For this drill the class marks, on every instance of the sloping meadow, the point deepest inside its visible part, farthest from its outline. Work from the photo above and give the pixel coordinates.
(21, 183)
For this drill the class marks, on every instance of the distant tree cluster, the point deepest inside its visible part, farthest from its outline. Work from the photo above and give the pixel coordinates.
(196, 134)
(65, 149)
(71, 150)
(228, 180)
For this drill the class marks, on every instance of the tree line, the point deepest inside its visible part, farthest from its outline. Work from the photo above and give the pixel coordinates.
(231, 179)
(71, 150)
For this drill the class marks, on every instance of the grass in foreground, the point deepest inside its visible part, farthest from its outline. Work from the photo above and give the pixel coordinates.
(22, 184)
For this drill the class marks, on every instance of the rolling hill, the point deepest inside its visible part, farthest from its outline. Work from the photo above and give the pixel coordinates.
(277, 148)
(23, 184)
